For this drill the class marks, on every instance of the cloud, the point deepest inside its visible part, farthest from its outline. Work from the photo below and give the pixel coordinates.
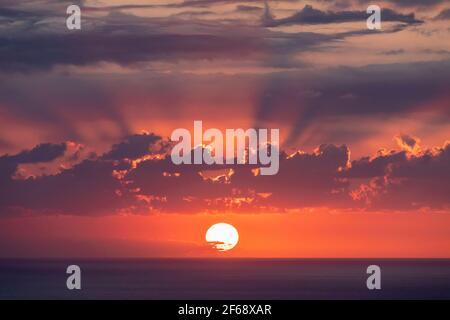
(112, 183)
(136, 146)
(246, 8)
(129, 47)
(304, 180)
(98, 109)
(309, 15)
(393, 52)
(45, 152)
(401, 181)
(370, 167)
(443, 15)
(12, 191)
(42, 153)
(129, 40)
(194, 3)
(408, 143)
(89, 188)
(376, 90)
(100, 106)
(414, 3)
(183, 4)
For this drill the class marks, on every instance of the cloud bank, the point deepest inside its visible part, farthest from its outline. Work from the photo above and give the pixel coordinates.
(137, 176)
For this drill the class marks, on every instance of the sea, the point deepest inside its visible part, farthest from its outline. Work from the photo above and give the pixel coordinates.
(230, 279)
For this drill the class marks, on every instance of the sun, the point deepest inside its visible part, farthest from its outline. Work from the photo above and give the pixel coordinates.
(222, 236)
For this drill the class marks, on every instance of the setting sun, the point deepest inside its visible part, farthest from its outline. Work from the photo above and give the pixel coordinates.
(222, 236)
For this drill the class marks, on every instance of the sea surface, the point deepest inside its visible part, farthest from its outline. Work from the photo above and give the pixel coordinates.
(188, 279)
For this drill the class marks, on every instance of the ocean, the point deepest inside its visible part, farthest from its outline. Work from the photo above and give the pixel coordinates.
(188, 279)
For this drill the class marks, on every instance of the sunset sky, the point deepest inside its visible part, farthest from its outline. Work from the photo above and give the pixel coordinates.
(86, 116)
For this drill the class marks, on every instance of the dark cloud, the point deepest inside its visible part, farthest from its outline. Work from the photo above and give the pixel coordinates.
(136, 176)
(45, 152)
(207, 3)
(29, 12)
(404, 181)
(408, 3)
(408, 142)
(309, 15)
(298, 100)
(443, 15)
(386, 90)
(396, 180)
(400, 4)
(393, 52)
(136, 146)
(246, 8)
(184, 4)
(440, 52)
(123, 49)
(417, 2)
(16, 14)
(368, 167)
(337, 4)
(88, 188)
(304, 180)
(42, 153)
(128, 40)
(46, 51)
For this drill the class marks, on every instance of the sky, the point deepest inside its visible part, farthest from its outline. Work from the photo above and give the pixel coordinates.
(86, 117)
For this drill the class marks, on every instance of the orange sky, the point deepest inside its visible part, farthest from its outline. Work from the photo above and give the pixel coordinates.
(368, 113)
(314, 234)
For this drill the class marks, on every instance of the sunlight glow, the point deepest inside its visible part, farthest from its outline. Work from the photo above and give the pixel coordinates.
(222, 236)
